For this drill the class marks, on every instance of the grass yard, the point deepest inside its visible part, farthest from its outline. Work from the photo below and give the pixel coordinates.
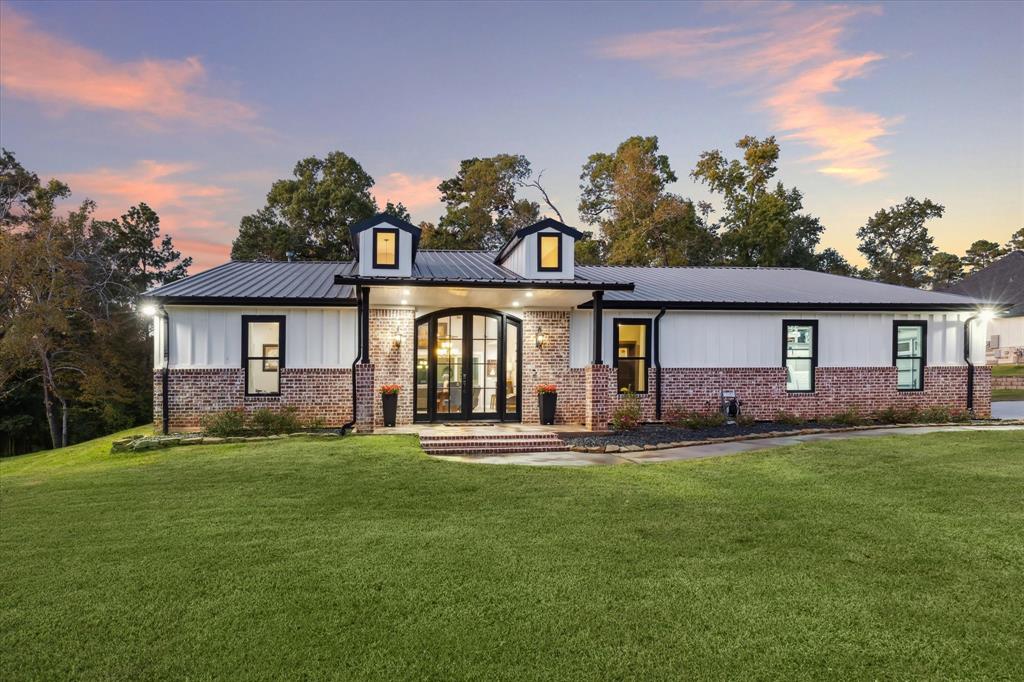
(1000, 394)
(1008, 370)
(896, 557)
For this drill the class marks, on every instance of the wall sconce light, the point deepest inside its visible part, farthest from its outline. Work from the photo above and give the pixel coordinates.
(396, 342)
(542, 338)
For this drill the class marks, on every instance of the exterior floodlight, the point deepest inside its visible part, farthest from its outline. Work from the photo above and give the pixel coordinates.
(149, 310)
(986, 315)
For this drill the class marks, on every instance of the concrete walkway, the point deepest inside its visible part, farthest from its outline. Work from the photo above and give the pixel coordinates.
(580, 459)
(1008, 409)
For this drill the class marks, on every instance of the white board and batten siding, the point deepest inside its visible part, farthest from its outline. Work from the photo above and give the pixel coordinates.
(523, 258)
(211, 337)
(754, 339)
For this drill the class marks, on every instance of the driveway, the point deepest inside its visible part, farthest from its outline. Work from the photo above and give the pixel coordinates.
(1008, 409)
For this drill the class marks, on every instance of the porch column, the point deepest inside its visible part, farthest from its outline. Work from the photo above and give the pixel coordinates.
(364, 383)
(598, 325)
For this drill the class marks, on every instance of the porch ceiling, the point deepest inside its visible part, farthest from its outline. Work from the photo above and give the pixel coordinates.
(458, 297)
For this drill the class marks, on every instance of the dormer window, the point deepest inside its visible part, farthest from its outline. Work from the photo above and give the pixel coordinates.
(385, 247)
(549, 252)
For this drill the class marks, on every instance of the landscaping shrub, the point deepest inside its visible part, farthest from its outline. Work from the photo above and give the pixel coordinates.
(628, 413)
(266, 422)
(226, 423)
(851, 417)
(696, 420)
(784, 417)
(898, 415)
(745, 420)
(940, 413)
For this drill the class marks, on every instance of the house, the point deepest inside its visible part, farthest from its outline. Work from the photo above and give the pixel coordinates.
(1002, 281)
(469, 335)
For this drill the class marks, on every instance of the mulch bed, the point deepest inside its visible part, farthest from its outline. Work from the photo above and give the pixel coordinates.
(654, 434)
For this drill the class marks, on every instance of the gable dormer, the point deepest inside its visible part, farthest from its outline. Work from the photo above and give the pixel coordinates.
(385, 246)
(544, 250)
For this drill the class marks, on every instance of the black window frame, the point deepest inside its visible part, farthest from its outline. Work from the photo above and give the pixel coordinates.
(923, 325)
(813, 324)
(645, 322)
(540, 251)
(398, 240)
(246, 321)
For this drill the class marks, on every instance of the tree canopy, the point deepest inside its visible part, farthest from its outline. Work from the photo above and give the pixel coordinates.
(896, 242)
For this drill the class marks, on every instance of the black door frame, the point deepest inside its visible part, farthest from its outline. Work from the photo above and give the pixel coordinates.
(466, 414)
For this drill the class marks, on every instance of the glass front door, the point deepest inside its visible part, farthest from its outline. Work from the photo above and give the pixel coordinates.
(467, 366)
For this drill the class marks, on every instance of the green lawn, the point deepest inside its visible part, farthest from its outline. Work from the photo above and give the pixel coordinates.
(895, 557)
(1008, 370)
(999, 394)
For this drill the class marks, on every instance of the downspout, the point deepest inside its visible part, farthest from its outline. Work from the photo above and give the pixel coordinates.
(355, 361)
(970, 365)
(657, 364)
(165, 372)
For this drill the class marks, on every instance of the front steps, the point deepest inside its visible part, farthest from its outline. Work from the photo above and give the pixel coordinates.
(491, 444)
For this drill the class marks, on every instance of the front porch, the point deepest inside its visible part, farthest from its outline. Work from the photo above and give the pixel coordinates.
(487, 438)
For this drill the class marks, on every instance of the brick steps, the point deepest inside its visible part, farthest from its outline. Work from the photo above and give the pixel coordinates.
(491, 444)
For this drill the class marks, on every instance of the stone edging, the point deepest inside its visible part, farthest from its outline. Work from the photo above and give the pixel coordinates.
(143, 443)
(611, 448)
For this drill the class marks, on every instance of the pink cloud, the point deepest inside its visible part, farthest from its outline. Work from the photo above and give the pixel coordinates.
(38, 66)
(193, 213)
(415, 191)
(788, 55)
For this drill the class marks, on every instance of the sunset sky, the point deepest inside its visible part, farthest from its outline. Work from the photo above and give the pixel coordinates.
(197, 108)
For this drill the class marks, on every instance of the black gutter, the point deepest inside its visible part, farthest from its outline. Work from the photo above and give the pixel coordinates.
(824, 307)
(165, 373)
(657, 364)
(970, 365)
(245, 300)
(483, 283)
(355, 361)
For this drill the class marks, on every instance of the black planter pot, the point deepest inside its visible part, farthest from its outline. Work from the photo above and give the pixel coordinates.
(547, 407)
(390, 408)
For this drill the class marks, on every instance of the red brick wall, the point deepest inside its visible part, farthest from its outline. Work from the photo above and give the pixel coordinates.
(193, 393)
(763, 390)
(365, 394)
(393, 365)
(550, 365)
(1007, 382)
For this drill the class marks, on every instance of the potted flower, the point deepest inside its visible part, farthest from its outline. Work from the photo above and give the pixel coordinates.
(547, 394)
(389, 396)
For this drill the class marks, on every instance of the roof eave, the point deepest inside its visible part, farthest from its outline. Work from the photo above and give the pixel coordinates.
(250, 301)
(485, 283)
(824, 307)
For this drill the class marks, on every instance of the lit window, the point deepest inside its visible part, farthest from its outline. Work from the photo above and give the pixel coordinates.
(908, 354)
(263, 343)
(632, 351)
(800, 357)
(385, 248)
(549, 252)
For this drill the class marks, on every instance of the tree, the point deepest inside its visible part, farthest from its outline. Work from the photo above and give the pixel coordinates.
(831, 261)
(481, 207)
(1016, 242)
(309, 214)
(896, 242)
(947, 270)
(759, 226)
(624, 193)
(589, 251)
(68, 326)
(982, 253)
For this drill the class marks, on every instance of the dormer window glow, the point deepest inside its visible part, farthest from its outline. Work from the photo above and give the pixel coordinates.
(549, 252)
(385, 247)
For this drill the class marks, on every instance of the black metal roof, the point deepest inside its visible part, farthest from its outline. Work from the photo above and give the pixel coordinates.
(764, 288)
(1000, 282)
(330, 283)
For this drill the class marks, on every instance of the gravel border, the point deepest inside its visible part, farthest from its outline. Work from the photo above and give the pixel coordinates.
(611, 448)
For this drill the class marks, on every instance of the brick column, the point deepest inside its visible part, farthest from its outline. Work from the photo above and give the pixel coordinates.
(365, 397)
(597, 396)
(983, 391)
(393, 365)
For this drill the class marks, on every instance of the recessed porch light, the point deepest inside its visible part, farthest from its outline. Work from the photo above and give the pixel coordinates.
(406, 292)
(405, 301)
(515, 304)
(529, 294)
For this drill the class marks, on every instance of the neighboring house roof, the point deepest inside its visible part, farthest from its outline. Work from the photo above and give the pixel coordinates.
(375, 220)
(763, 288)
(1000, 282)
(330, 283)
(523, 232)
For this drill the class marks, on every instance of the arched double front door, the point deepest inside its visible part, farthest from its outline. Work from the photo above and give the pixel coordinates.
(468, 365)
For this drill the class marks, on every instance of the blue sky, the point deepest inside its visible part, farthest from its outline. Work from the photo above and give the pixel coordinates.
(197, 108)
